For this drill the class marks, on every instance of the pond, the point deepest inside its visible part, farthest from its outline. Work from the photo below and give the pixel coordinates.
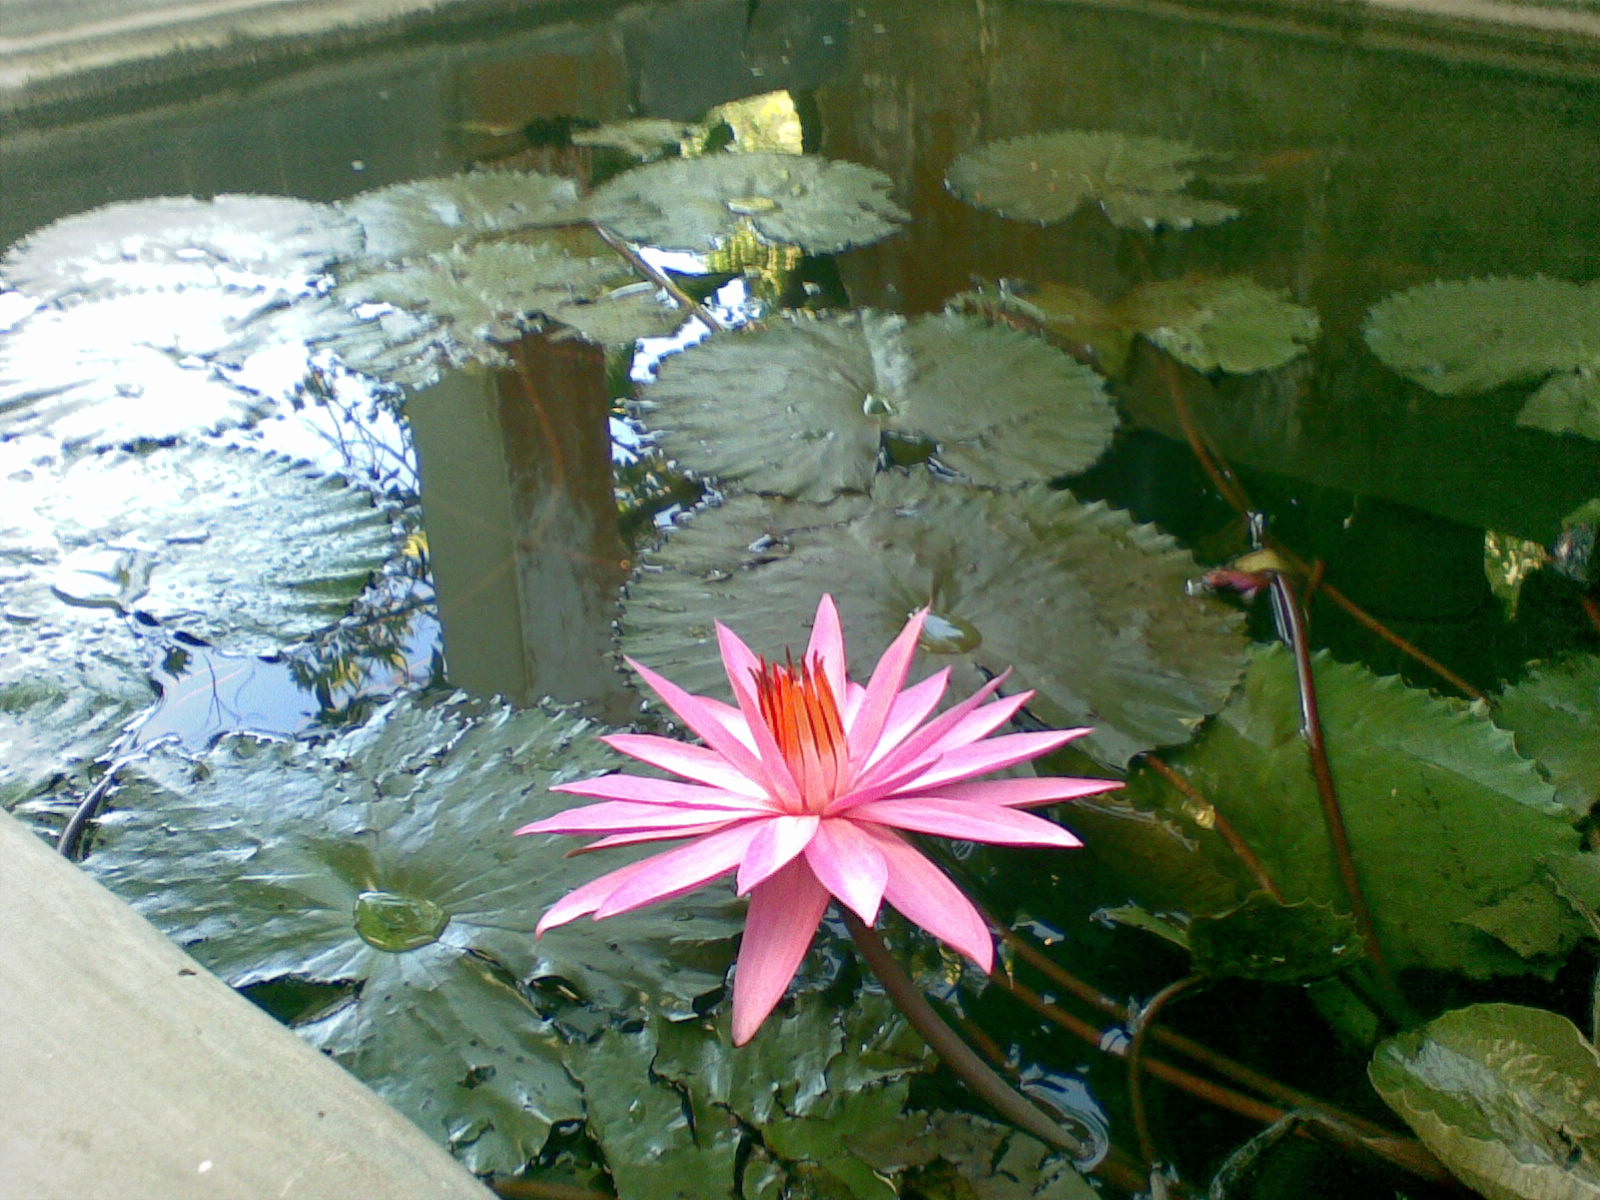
(382, 423)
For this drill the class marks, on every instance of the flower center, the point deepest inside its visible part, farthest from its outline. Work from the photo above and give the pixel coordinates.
(800, 709)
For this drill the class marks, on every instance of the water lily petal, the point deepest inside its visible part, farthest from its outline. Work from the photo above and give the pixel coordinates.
(888, 678)
(910, 752)
(742, 664)
(583, 900)
(785, 911)
(922, 893)
(827, 645)
(1024, 793)
(682, 870)
(1005, 751)
(780, 840)
(619, 786)
(705, 721)
(849, 864)
(911, 707)
(699, 763)
(970, 822)
(624, 815)
(635, 836)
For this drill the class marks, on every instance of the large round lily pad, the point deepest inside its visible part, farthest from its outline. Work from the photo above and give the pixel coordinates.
(429, 216)
(803, 409)
(1088, 606)
(695, 204)
(265, 243)
(1138, 182)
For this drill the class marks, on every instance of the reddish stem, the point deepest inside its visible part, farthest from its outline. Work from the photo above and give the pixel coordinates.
(1223, 826)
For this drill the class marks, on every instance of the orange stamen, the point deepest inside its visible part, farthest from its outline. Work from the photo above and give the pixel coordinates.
(802, 712)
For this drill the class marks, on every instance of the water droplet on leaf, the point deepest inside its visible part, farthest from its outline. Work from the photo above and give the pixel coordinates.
(948, 635)
(398, 923)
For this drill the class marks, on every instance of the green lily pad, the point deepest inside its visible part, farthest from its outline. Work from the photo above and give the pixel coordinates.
(803, 409)
(1088, 606)
(1465, 336)
(1554, 713)
(1445, 818)
(385, 857)
(957, 1154)
(1232, 325)
(1507, 1097)
(1266, 940)
(247, 551)
(133, 368)
(1137, 182)
(696, 204)
(432, 216)
(256, 243)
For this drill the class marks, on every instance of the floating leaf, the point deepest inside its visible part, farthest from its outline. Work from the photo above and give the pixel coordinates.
(258, 243)
(55, 725)
(140, 367)
(695, 204)
(244, 550)
(385, 857)
(803, 409)
(470, 298)
(1087, 605)
(1507, 1097)
(1445, 818)
(1273, 942)
(429, 216)
(1555, 715)
(1233, 325)
(1138, 182)
(1474, 335)
(959, 1154)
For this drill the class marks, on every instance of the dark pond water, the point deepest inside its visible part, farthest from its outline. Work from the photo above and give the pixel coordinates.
(1284, 335)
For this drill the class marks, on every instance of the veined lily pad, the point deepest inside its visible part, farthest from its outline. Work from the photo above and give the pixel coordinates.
(244, 550)
(803, 409)
(694, 204)
(431, 216)
(1555, 715)
(149, 366)
(386, 857)
(1088, 606)
(1138, 182)
(959, 1154)
(1468, 336)
(1276, 943)
(258, 243)
(1446, 820)
(53, 725)
(470, 298)
(1507, 1097)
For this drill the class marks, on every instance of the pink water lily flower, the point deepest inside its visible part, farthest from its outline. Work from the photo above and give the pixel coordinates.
(807, 788)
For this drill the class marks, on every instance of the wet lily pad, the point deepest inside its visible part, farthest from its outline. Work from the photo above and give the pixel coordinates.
(1464, 336)
(1507, 1097)
(247, 551)
(803, 409)
(1137, 182)
(140, 367)
(1088, 606)
(695, 204)
(386, 857)
(960, 1154)
(258, 243)
(1445, 818)
(53, 725)
(1555, 715)
(431, 216)
(1273, 942)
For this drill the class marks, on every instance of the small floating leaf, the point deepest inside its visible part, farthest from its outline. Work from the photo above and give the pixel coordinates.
(695, 204)
(266, 243)
(431, 216)
(803, 409)
(1507, 1097)
(1087, 605)
(1138, 182)
(1233, 325)
(1555, 715)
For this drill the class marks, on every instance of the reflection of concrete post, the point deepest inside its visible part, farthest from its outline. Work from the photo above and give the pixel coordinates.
(522, 523)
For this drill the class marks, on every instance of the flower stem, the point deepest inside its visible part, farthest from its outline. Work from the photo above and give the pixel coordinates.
(957, 1055)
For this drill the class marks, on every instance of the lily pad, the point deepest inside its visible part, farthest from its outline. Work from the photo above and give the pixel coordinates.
(431, 216)
(1464, 336)
(385, 857)
(139, 367)
(1088, 606)
(1507, 1097)
(258, 243)
(960, 1154)
(1137, 182)
(1276, 943)
(695, 204)
(1554, 712)
(244, 550)
(469, 299)
(53, 726)
(803, 409)
(1445, 818)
